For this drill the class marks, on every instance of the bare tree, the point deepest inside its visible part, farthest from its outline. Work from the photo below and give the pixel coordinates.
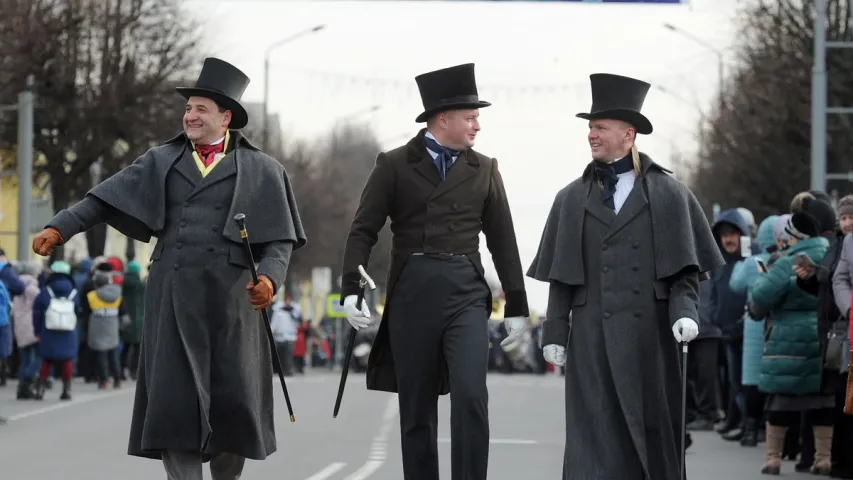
(105, 72)
(755, 150)
(328, 177)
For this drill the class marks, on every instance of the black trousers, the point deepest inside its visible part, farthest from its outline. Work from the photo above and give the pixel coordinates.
(703, 366)
(439, 308)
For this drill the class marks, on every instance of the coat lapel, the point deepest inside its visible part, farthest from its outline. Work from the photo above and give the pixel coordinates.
(634, 204)
(226, 167)
(422, 161)
(187, 168)
(464, 168)
(595, 204)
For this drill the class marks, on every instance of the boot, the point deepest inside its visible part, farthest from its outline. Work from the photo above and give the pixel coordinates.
(25, 389)
(750, 433)
(775, 444)
(822, 450)
(39, 390)
(66, 389)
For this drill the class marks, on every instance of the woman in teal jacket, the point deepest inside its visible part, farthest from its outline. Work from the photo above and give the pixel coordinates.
(744, 274)
(791, 364)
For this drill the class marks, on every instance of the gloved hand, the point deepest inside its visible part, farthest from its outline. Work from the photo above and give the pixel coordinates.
(554, 354)
(685, 330)
(45, 241)
(357, 318)
(515, 328)
(260, 294)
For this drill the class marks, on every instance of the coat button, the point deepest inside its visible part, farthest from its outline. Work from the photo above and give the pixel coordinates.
(214, 228)
(176, 266)
(607, 315)
(604, 247)
(431, 205)
(636, 245)
(186, 204)
(637, 314)
(210, 248)
(636, 291)
(455, 206)
(179, 245)
(451, 227)
(218, 206)
(183, 224)
(635, 268)
(606, 269)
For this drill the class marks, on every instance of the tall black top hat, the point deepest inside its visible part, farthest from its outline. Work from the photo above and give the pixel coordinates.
(224, 84)
(618, 98)
(450, 88)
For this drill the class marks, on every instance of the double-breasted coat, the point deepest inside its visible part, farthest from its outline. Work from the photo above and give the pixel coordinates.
(204, 380)
(618, 282)
(429, 215)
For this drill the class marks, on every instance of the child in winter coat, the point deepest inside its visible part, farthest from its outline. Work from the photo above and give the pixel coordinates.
(55, 321)
(103, 308)
(25, 335)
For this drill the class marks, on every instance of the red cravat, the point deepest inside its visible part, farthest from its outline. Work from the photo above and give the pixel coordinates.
(208, 152)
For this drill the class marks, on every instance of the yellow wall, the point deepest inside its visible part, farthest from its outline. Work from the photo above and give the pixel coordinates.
(9, 219)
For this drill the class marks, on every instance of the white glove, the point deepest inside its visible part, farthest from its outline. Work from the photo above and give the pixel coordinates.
(515, 328)
(685, 330)
(554, 354)
(357, 318)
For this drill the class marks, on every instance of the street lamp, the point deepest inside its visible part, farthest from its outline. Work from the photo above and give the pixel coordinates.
(270, 48)
(708, 46)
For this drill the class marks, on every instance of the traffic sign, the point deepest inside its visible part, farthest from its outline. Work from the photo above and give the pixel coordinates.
(334, 309)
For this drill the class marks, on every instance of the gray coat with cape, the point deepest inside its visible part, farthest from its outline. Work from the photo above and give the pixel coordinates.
(205, 373)
(618, 281)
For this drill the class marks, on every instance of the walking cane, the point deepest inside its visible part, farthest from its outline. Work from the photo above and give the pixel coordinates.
(365, 281)
(241, 224)
(683, 409)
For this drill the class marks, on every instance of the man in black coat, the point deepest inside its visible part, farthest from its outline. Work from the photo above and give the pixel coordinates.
(204, 390)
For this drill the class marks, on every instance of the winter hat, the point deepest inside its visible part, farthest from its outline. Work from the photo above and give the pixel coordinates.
(815, 218)
(779, 227)
(845, 205)
(821, 195)
(99, 279)
(749, 218)
(133, 267)
(31, 267)
(116, 263)
(60, 266)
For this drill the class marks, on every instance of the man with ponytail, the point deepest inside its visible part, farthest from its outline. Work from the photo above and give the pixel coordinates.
(624, 249)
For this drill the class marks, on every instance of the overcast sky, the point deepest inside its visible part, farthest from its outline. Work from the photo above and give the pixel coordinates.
(533, 61)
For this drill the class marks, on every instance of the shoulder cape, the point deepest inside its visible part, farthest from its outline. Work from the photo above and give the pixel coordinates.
(263, 192)
(682, 235)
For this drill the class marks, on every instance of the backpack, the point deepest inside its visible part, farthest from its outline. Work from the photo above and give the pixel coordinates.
(5, 305)
(61, 315)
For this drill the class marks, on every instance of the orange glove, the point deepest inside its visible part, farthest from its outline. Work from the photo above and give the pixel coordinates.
(260, 294)
(45, 241)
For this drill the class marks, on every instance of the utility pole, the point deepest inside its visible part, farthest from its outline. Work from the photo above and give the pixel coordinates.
(820, 107)
(26, 125)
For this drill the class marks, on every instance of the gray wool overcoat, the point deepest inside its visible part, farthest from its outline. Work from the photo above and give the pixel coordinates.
(618, 282)
(205, 373)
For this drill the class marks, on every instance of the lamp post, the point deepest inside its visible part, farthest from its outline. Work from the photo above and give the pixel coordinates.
(707, 45)
(269, 50)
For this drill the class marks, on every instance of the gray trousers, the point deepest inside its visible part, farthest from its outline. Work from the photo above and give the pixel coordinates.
(188, 466)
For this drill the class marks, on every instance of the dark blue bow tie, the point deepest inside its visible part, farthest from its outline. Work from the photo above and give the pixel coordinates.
(608, 173)
(444, 158)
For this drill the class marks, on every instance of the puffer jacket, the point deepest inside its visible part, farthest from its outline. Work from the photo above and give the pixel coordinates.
(792, 362)
(22, 311)
(743, 276)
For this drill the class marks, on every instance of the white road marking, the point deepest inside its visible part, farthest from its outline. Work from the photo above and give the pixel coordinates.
(500, 441)
(76, 400)
(379, 447)
(328, 471)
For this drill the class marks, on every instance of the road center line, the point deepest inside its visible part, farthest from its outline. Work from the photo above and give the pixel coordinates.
(327, 472)
(379, 447)
(76, 401)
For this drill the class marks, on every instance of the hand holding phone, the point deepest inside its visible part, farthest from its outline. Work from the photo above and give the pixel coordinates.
(762, 268)
(745, 246)
(803, 260)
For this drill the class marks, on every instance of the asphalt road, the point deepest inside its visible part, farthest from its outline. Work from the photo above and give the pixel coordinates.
(87, 437)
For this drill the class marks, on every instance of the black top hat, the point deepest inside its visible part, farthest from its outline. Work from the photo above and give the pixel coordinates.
(224, 84)
(619, 98)
(450, 88)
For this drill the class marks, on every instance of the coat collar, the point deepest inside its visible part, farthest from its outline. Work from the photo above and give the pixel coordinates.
(237, 138)
(646, 164)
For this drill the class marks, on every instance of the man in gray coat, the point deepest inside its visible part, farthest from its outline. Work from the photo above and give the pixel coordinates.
(623, 249)
(204, 391)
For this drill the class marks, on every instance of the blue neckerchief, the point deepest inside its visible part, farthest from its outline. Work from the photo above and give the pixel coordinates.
(444, 158)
